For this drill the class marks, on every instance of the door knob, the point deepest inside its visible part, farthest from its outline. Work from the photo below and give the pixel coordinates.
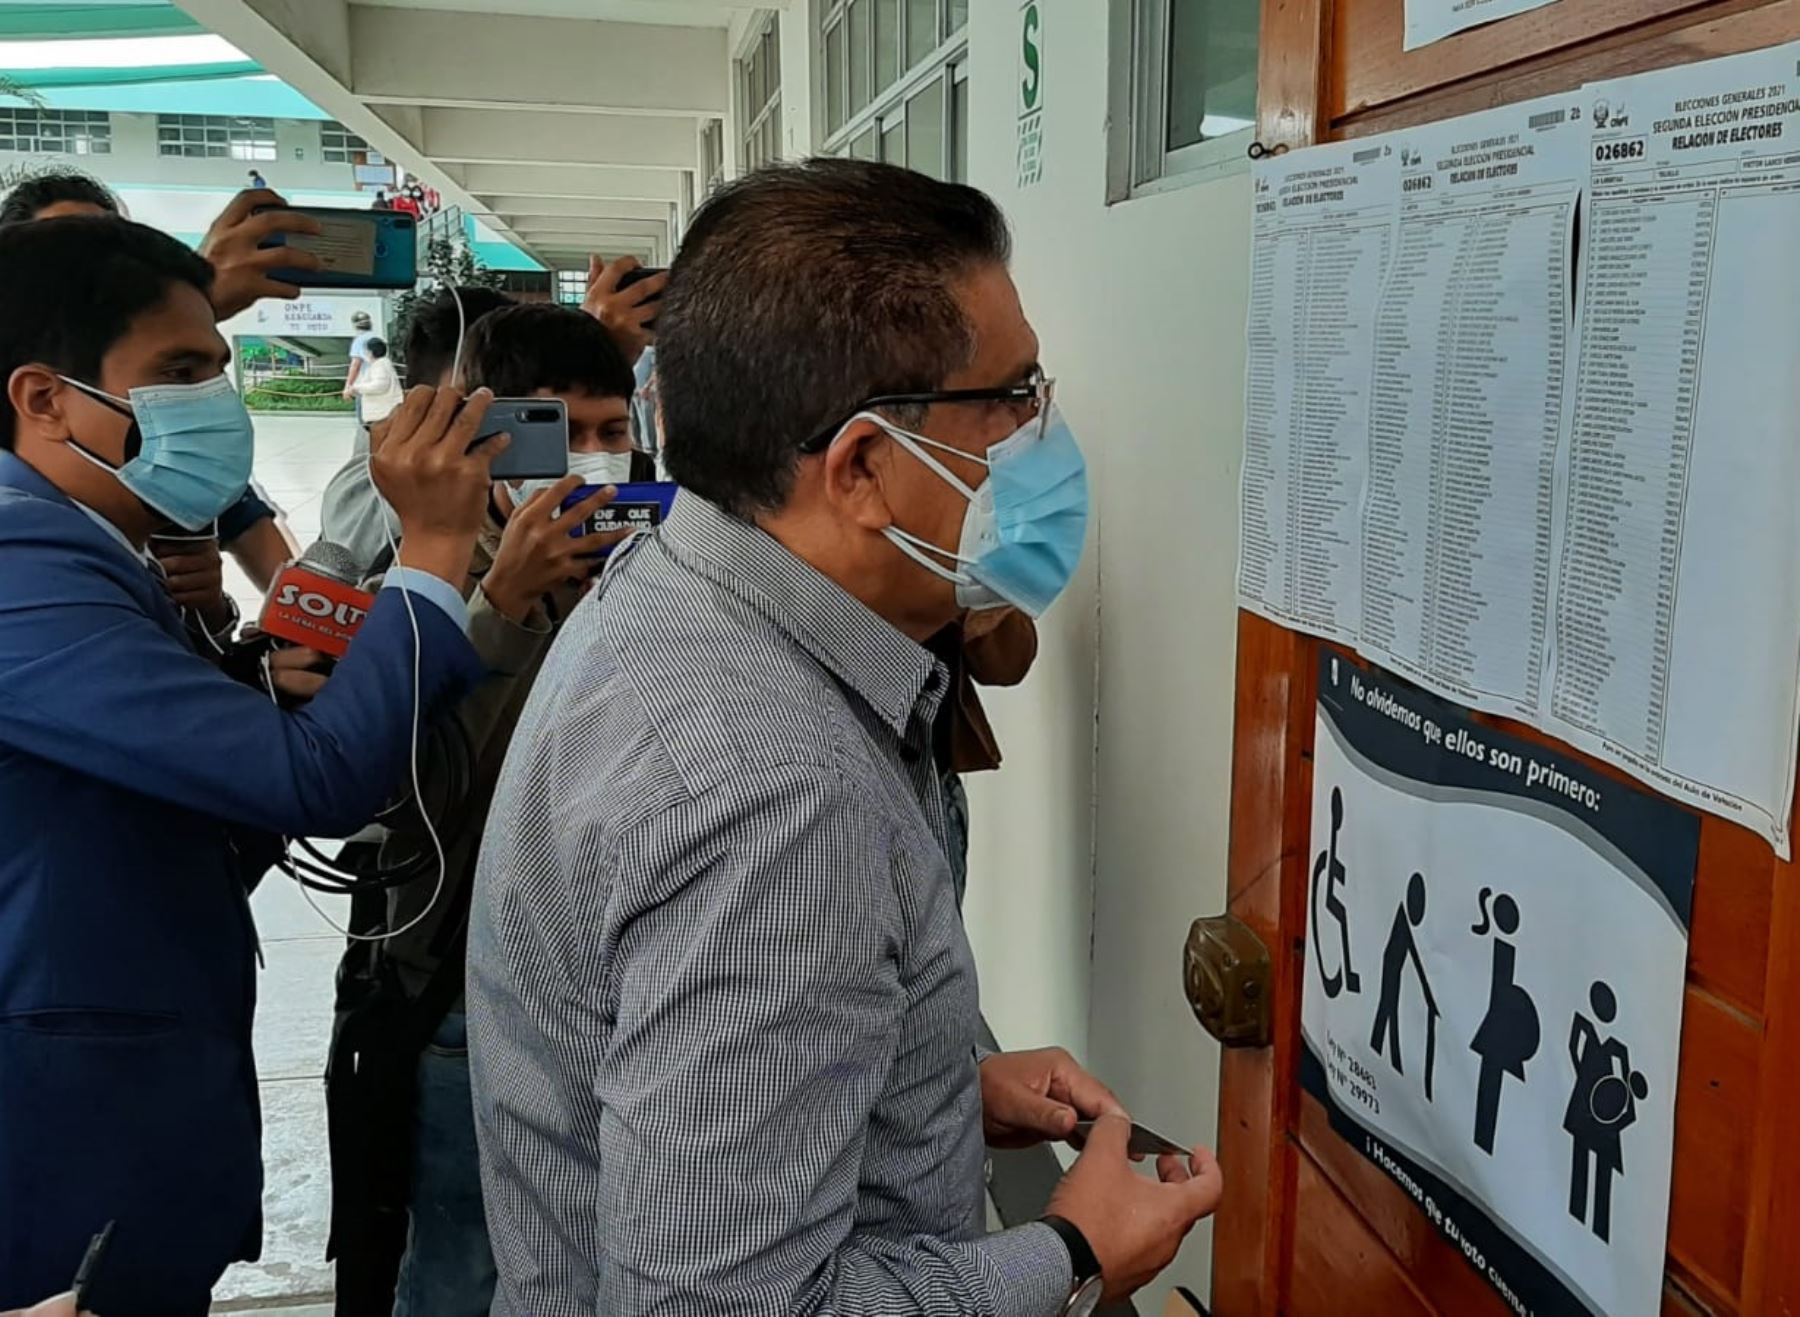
(1226, 973)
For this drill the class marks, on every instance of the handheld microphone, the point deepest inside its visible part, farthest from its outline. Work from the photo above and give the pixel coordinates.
(316, 601)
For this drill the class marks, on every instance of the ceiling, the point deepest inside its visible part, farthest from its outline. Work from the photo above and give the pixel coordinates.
(566, 126)
(682, 13)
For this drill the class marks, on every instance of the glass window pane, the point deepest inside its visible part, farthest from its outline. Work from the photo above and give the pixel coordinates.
(959, 131)
(959, 16)
(925, 129)
(867, 145)
(921, 30)
(887, 44)
(1212, 69)
(771, 55)
(772, 136)
(834, 79)
(861, 83)
(893, 143)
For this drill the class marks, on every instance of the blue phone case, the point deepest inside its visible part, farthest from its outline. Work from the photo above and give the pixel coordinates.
(637, 507)
(393, 260)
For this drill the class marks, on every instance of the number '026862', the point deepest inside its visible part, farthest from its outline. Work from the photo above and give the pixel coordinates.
(1609, 151)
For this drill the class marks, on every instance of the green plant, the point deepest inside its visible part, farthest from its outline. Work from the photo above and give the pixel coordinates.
(18, 91)
(447, 261)
(294, 392)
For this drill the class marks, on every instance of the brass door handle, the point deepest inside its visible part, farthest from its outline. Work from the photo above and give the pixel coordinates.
(1226, 972)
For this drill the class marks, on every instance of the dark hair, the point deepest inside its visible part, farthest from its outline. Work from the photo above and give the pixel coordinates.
(799, 291)
(70, 289)
(376, 347)
(33, 194)
(429, 348)
(518, 350)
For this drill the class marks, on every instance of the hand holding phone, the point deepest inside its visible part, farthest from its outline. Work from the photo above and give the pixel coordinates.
(344, 248)
(243, 248)
(622, 295)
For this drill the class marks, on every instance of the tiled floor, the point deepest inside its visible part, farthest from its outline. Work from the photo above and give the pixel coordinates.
(295, 456)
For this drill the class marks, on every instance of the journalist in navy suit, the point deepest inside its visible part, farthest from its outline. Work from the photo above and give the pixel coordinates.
(142, 792)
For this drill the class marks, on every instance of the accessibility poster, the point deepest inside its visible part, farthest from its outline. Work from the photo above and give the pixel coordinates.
(1496, 947)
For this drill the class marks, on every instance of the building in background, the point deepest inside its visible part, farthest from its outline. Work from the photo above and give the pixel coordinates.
(176, 120)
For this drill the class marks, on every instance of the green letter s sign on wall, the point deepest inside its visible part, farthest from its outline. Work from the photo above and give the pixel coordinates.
(1031, 58)
(1031, 93)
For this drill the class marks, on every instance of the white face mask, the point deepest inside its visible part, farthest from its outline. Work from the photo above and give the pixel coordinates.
(593, 468)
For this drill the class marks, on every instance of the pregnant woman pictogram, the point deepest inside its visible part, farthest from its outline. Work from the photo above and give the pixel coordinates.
(1509, 1033)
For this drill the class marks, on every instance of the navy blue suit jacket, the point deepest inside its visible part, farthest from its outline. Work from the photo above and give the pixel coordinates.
(142, 793)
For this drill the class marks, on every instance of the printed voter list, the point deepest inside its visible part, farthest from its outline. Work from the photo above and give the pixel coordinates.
(1564, 495)
(1495, 959)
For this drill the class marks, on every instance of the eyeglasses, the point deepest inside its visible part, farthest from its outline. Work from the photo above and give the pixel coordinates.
(1036, 393)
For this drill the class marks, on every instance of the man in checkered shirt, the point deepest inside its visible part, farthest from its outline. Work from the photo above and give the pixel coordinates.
(723, 1013)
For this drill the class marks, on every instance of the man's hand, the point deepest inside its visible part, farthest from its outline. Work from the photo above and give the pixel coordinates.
(298, 674)
(540, 548)
(241, 265)
(422, 464)
(626, 313)
(1031, 1097)
(194, 576)
(1133, 1224)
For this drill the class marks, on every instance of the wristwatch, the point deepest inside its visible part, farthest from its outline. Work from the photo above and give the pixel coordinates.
(1089, 1285)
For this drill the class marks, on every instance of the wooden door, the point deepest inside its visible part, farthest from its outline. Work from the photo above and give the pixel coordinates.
(1308, 1225)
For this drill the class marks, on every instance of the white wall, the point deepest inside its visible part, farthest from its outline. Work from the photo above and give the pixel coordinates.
(1105, 833)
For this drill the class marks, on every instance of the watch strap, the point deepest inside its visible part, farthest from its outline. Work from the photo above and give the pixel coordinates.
(1082, 1261)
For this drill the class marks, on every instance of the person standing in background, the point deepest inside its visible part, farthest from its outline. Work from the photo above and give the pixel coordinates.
(364, 326)
(378, 390)
(629, 315)
(257, 181)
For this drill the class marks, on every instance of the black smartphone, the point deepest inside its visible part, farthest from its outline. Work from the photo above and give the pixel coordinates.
(638, 276)
(1145, 1142)
(540, 437)
(89, 1270)
(356, 248)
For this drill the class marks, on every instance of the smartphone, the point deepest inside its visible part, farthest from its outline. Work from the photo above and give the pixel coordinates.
(1145, 1142)
(89, 1271)
(356, 248)
(638, 276)
(540, 437)
(635, 507)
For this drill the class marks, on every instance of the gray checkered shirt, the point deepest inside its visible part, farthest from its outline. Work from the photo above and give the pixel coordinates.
(722, 1010)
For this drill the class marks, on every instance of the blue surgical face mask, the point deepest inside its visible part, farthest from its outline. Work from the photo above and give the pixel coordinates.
(1023, 533)
(189, 449)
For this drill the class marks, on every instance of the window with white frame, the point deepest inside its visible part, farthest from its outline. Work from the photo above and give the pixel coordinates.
(55, 132)
(896, 84)
(571, 287)
(339, 146)
(759, 97)
(1184, 90)
(712, 155)
(215, 136)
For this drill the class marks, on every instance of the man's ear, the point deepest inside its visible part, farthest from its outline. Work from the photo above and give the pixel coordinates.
(37, 396)
(855, 467)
